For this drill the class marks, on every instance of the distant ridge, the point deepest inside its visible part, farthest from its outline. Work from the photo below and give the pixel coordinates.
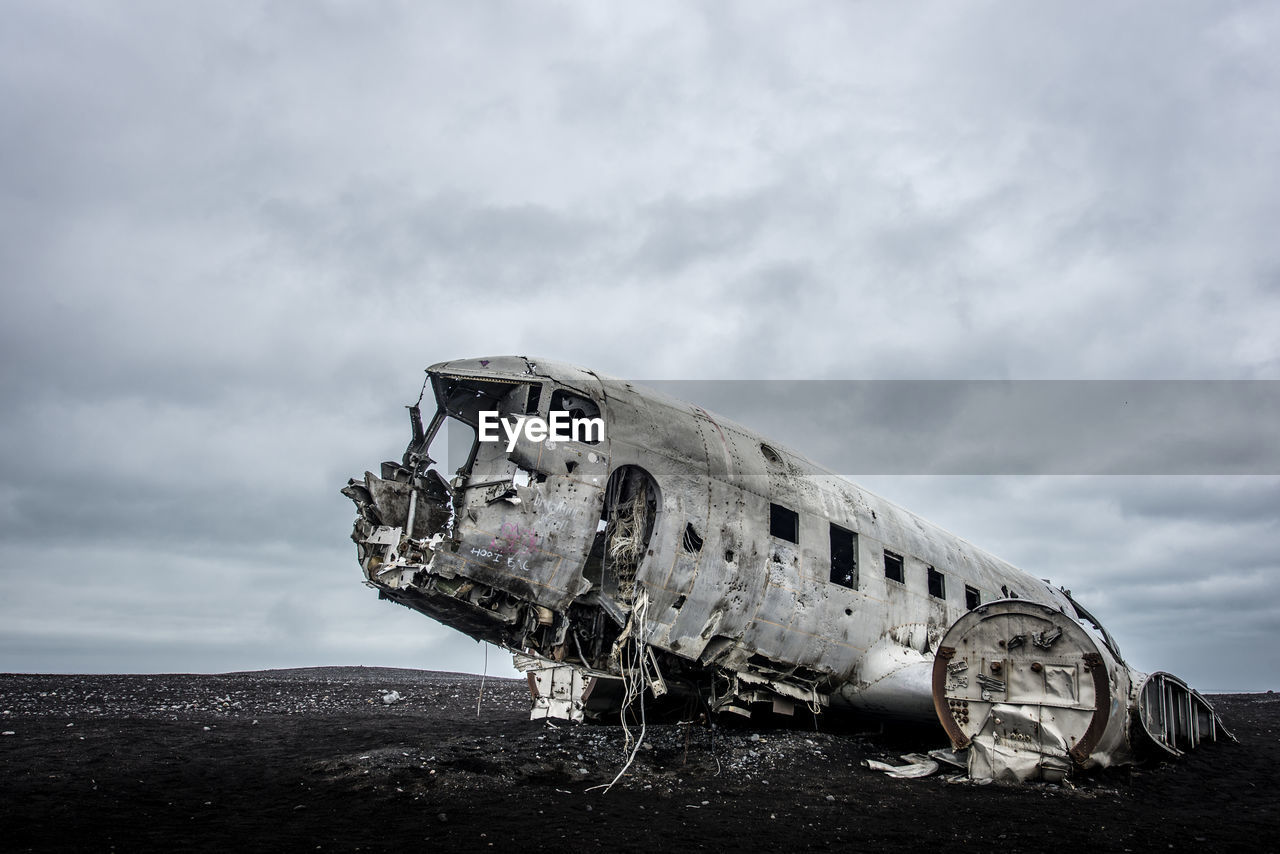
(362, 672)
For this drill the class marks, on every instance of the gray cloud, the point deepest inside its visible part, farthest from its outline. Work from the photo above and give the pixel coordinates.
(231, 239)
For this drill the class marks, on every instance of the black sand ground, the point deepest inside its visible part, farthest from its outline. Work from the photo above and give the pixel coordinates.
(313, 759)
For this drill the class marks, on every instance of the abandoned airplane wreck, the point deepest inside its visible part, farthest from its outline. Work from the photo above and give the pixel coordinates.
(632, 548)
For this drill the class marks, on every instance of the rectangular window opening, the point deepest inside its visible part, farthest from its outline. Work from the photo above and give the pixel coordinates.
(534, 398)
(972, 597)
(844, 557)
(893, 567)
(692, 543)
(937, 584)
(784, 524)
(584, 421)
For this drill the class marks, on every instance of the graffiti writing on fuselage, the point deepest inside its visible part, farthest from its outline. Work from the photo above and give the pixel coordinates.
(514, 540)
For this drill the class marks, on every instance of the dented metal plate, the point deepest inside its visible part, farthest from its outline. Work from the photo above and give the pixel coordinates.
(1032, 692)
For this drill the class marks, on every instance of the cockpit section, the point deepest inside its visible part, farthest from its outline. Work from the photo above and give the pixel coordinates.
(479, 525)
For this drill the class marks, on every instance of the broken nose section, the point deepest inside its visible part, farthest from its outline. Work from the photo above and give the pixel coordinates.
(406, 546)
(410, 545)
(1031, 693)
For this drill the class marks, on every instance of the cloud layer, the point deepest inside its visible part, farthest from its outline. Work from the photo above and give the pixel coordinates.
(232, 237)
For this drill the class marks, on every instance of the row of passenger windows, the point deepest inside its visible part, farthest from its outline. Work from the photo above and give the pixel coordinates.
(785, 525)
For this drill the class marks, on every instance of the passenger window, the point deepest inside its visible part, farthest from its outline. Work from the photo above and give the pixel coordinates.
(937, 584)
(972, 597)
(844, 557)
(784, 524)
(893, 567)
(692, 543)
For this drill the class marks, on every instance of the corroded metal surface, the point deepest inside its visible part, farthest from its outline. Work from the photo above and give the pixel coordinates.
(683, 556)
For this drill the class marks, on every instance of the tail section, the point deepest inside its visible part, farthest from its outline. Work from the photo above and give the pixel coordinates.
(1032, 693)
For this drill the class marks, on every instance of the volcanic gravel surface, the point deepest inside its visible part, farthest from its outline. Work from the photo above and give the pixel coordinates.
(315, 759)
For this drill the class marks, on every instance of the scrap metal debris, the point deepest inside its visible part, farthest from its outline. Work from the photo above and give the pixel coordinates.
(1052, 710)
(917, 765)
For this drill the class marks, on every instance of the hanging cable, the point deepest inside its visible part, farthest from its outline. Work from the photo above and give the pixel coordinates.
(635, 679)
(483, 676)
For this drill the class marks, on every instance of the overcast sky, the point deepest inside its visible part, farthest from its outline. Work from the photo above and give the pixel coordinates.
(233, 234)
